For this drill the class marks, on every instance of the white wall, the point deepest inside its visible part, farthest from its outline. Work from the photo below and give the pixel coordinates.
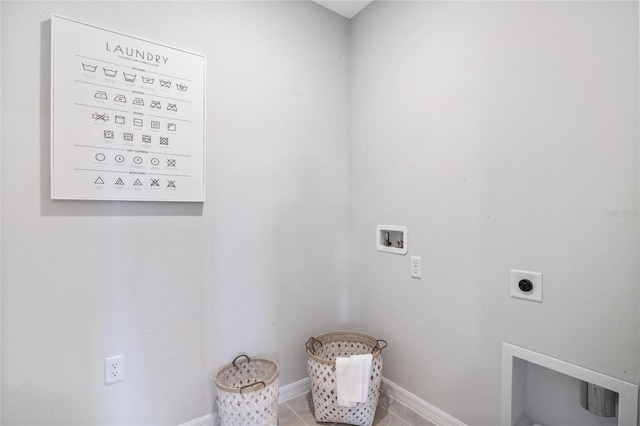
(180, 289)
(501, 134)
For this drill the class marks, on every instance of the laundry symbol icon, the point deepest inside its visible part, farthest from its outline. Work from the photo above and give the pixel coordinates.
(137, 122)
(147, 80)
(119, 119)
(100, 117)
(155, 161)
(109, 73)
(137, 160)
(172, 107)
(119, 158)
(120, 98)
(155, 182)
(90, 68)
(171, 162)
(108, 134)
(146, 138)
(127, 136)
(129, 77)
(182, 87)
(171, 183)
(137, 183)
(155, 124)
(164, 141)
(100, 95)
(119, 182)
(138, 101)
(166, 83)
(99, 181)
(155, 104)
(100, 157)
(171, 127)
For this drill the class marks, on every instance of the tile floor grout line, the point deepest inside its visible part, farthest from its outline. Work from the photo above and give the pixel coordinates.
(398, 417)
(295, 412)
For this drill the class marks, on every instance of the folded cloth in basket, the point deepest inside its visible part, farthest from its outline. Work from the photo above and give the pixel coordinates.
(352, 379)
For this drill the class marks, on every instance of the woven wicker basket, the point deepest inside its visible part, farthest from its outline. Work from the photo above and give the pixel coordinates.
(247, 393)
(321, 366)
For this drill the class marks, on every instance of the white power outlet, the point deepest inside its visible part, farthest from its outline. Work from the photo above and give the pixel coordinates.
(416, 267)
(113, 369)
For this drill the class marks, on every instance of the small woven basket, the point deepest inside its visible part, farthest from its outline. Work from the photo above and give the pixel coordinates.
(321, 366)
(247, 393)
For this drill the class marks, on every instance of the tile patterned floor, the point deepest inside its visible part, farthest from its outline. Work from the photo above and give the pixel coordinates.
(299, 412)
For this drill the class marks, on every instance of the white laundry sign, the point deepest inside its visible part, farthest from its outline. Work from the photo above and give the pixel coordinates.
(127, 117)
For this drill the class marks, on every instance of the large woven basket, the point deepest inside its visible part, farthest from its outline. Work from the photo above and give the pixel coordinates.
(247, 392)
(321, 366)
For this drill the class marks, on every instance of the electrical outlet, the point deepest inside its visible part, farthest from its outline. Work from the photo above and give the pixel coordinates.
(113, 369)
(416, 267)
(526, 285)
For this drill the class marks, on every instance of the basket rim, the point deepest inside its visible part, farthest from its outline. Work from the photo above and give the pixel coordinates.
(334, 336)
(266, 383)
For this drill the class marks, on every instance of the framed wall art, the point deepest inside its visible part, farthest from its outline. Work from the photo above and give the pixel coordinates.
(127, 117)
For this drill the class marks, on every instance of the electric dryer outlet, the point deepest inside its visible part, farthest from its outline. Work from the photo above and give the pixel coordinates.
(526, 285)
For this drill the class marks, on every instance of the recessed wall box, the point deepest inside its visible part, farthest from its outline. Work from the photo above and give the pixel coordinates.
(540, 389)
(392, 238)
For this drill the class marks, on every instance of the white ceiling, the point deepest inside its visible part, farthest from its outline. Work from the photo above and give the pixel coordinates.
(346, 8)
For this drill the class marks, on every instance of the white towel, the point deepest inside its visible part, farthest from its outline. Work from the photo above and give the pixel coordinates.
(352, 379)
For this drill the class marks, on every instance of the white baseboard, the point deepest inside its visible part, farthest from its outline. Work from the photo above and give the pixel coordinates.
(420, 406)
(207, 420)
(295, 389)
(403, 396)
